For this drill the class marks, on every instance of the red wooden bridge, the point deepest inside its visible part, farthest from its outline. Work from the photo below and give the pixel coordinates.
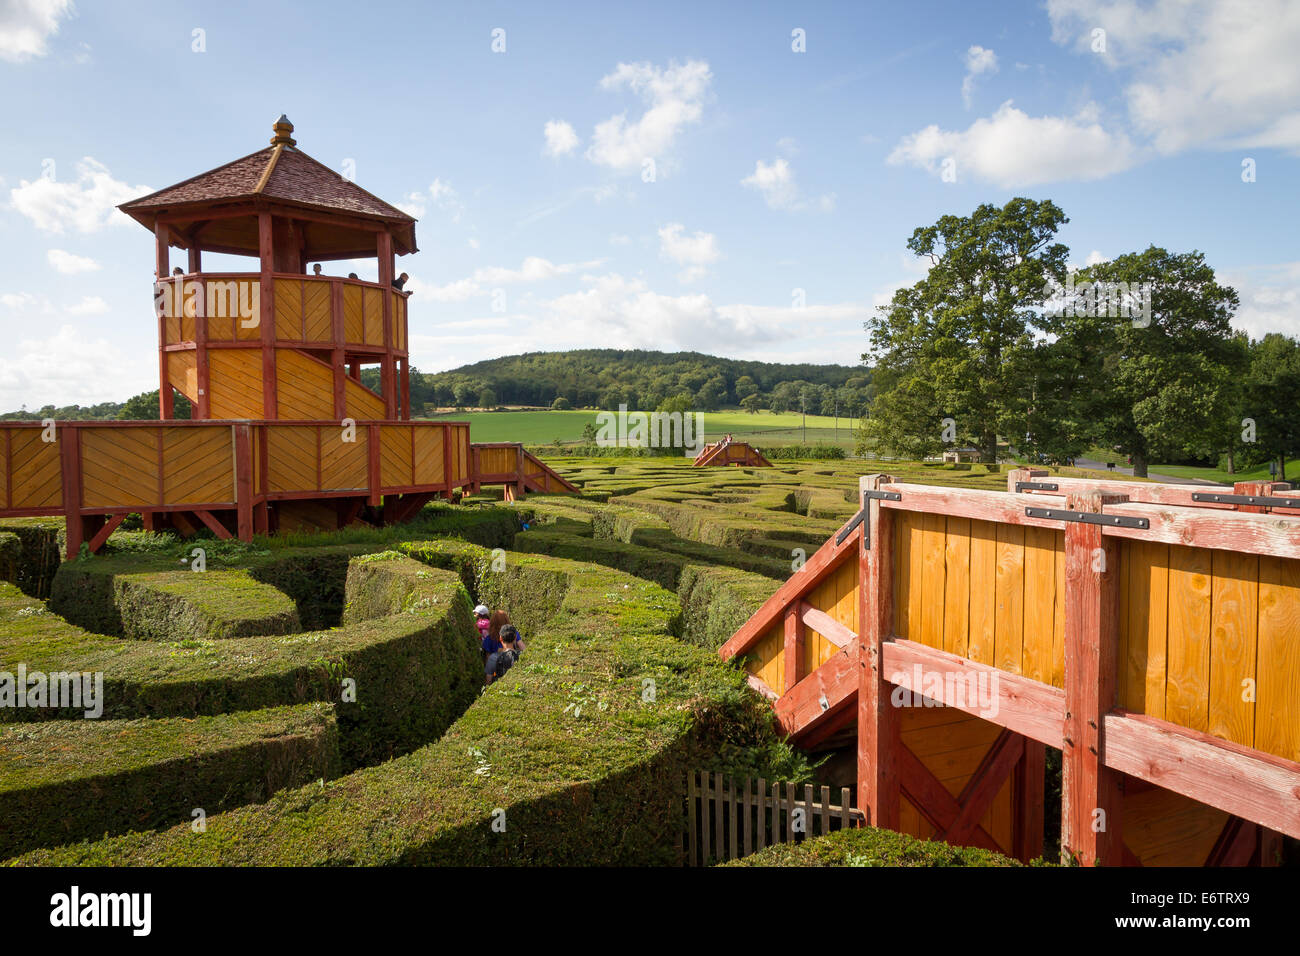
(1148, 631)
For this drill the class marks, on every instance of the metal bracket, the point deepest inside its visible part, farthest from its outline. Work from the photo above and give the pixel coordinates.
(1088, 517)
(861, 517)
(1261, 501)
(1036, 486)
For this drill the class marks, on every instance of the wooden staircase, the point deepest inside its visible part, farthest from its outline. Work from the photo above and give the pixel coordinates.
(729, 452)
(951, 635)
(519, 470)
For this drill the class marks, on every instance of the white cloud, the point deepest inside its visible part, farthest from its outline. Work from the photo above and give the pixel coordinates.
(532, 269)
(776, 183)
(70, 264)
(561, 140)
(619, 312)
(26, 25)
(89, 305)
(21, 301)
(86, 204)
(413, 204)
(618, 239)
(473, 244)
(1013, 149)
(674, 99)
(695, 252)
(68, 367)
(1220, 73)
(440, 193)
(978, 61)
(1270, 298)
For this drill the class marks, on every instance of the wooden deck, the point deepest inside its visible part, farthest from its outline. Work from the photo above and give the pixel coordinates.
(228, 474)
(1161, 654)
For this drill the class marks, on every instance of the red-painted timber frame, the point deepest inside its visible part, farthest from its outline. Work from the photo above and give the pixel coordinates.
(246, 512)
(1105, 750)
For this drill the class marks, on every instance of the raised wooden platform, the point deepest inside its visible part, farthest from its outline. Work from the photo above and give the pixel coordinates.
(519, 470)
(1148, 631)
(727, 452)
(232, 476)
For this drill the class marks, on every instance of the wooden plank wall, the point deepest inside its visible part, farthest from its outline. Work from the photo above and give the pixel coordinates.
(235, 383)
(34, 473)
(951, 744)
(303, 310)
(1210, 640)
(838, 597)
(990, 592)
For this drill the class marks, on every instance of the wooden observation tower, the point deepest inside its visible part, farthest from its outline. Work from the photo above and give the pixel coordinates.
(283, 434)
(278, 343)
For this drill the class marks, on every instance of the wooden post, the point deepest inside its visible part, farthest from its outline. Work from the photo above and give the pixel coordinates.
(162, 266)
(69, 439)
(372, 447)
(1091, 800)
(878, 719)
(1027, 801)
(794, 646)
(384, 250)
(446, 458)
(244, 481)
(405, 382)
(196, 258)
(262, 512)
(202, 405)
(519, 472)
(266, 314)
(338, 357)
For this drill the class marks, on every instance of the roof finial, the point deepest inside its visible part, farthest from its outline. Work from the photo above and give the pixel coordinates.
(283, 132)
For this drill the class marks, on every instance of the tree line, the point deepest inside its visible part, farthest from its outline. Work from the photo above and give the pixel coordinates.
(1002, 341)
(642, 380)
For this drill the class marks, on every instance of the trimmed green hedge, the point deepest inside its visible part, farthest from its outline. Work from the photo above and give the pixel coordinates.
(570, 756)
(41, 550)
(415, 668)
(11, 555)
(105, 596)
(868, 846)
(62, 781)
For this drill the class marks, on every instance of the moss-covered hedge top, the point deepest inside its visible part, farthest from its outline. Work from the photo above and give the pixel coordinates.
(578, 754)
(55, 752)
(868, 846)
(208, 676)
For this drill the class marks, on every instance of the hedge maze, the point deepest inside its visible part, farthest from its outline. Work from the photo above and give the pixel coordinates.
(320, 699)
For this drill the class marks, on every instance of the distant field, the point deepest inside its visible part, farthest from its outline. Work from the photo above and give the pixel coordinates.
(545, 426)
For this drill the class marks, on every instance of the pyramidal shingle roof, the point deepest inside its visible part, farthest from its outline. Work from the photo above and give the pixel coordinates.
(277, 172)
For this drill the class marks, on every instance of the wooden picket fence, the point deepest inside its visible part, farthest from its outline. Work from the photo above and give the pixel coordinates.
(728, 818)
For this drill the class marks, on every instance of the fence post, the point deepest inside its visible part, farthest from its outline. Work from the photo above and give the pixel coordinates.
(1090, 795)
(762, 812)
(732, 807)
(692, 795)
(878, 724)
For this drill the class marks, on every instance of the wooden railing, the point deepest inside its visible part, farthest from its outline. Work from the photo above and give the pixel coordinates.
(95, 473)
(519, 470)
(728, 817)
(314, 312)
(1152, 632)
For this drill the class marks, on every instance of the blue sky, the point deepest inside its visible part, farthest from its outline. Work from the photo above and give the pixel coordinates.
(777, 173)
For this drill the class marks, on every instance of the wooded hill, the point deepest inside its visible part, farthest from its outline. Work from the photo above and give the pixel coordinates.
(605, 378)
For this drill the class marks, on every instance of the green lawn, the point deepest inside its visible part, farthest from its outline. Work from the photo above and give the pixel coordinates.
(764, 428)
(1256, 473)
